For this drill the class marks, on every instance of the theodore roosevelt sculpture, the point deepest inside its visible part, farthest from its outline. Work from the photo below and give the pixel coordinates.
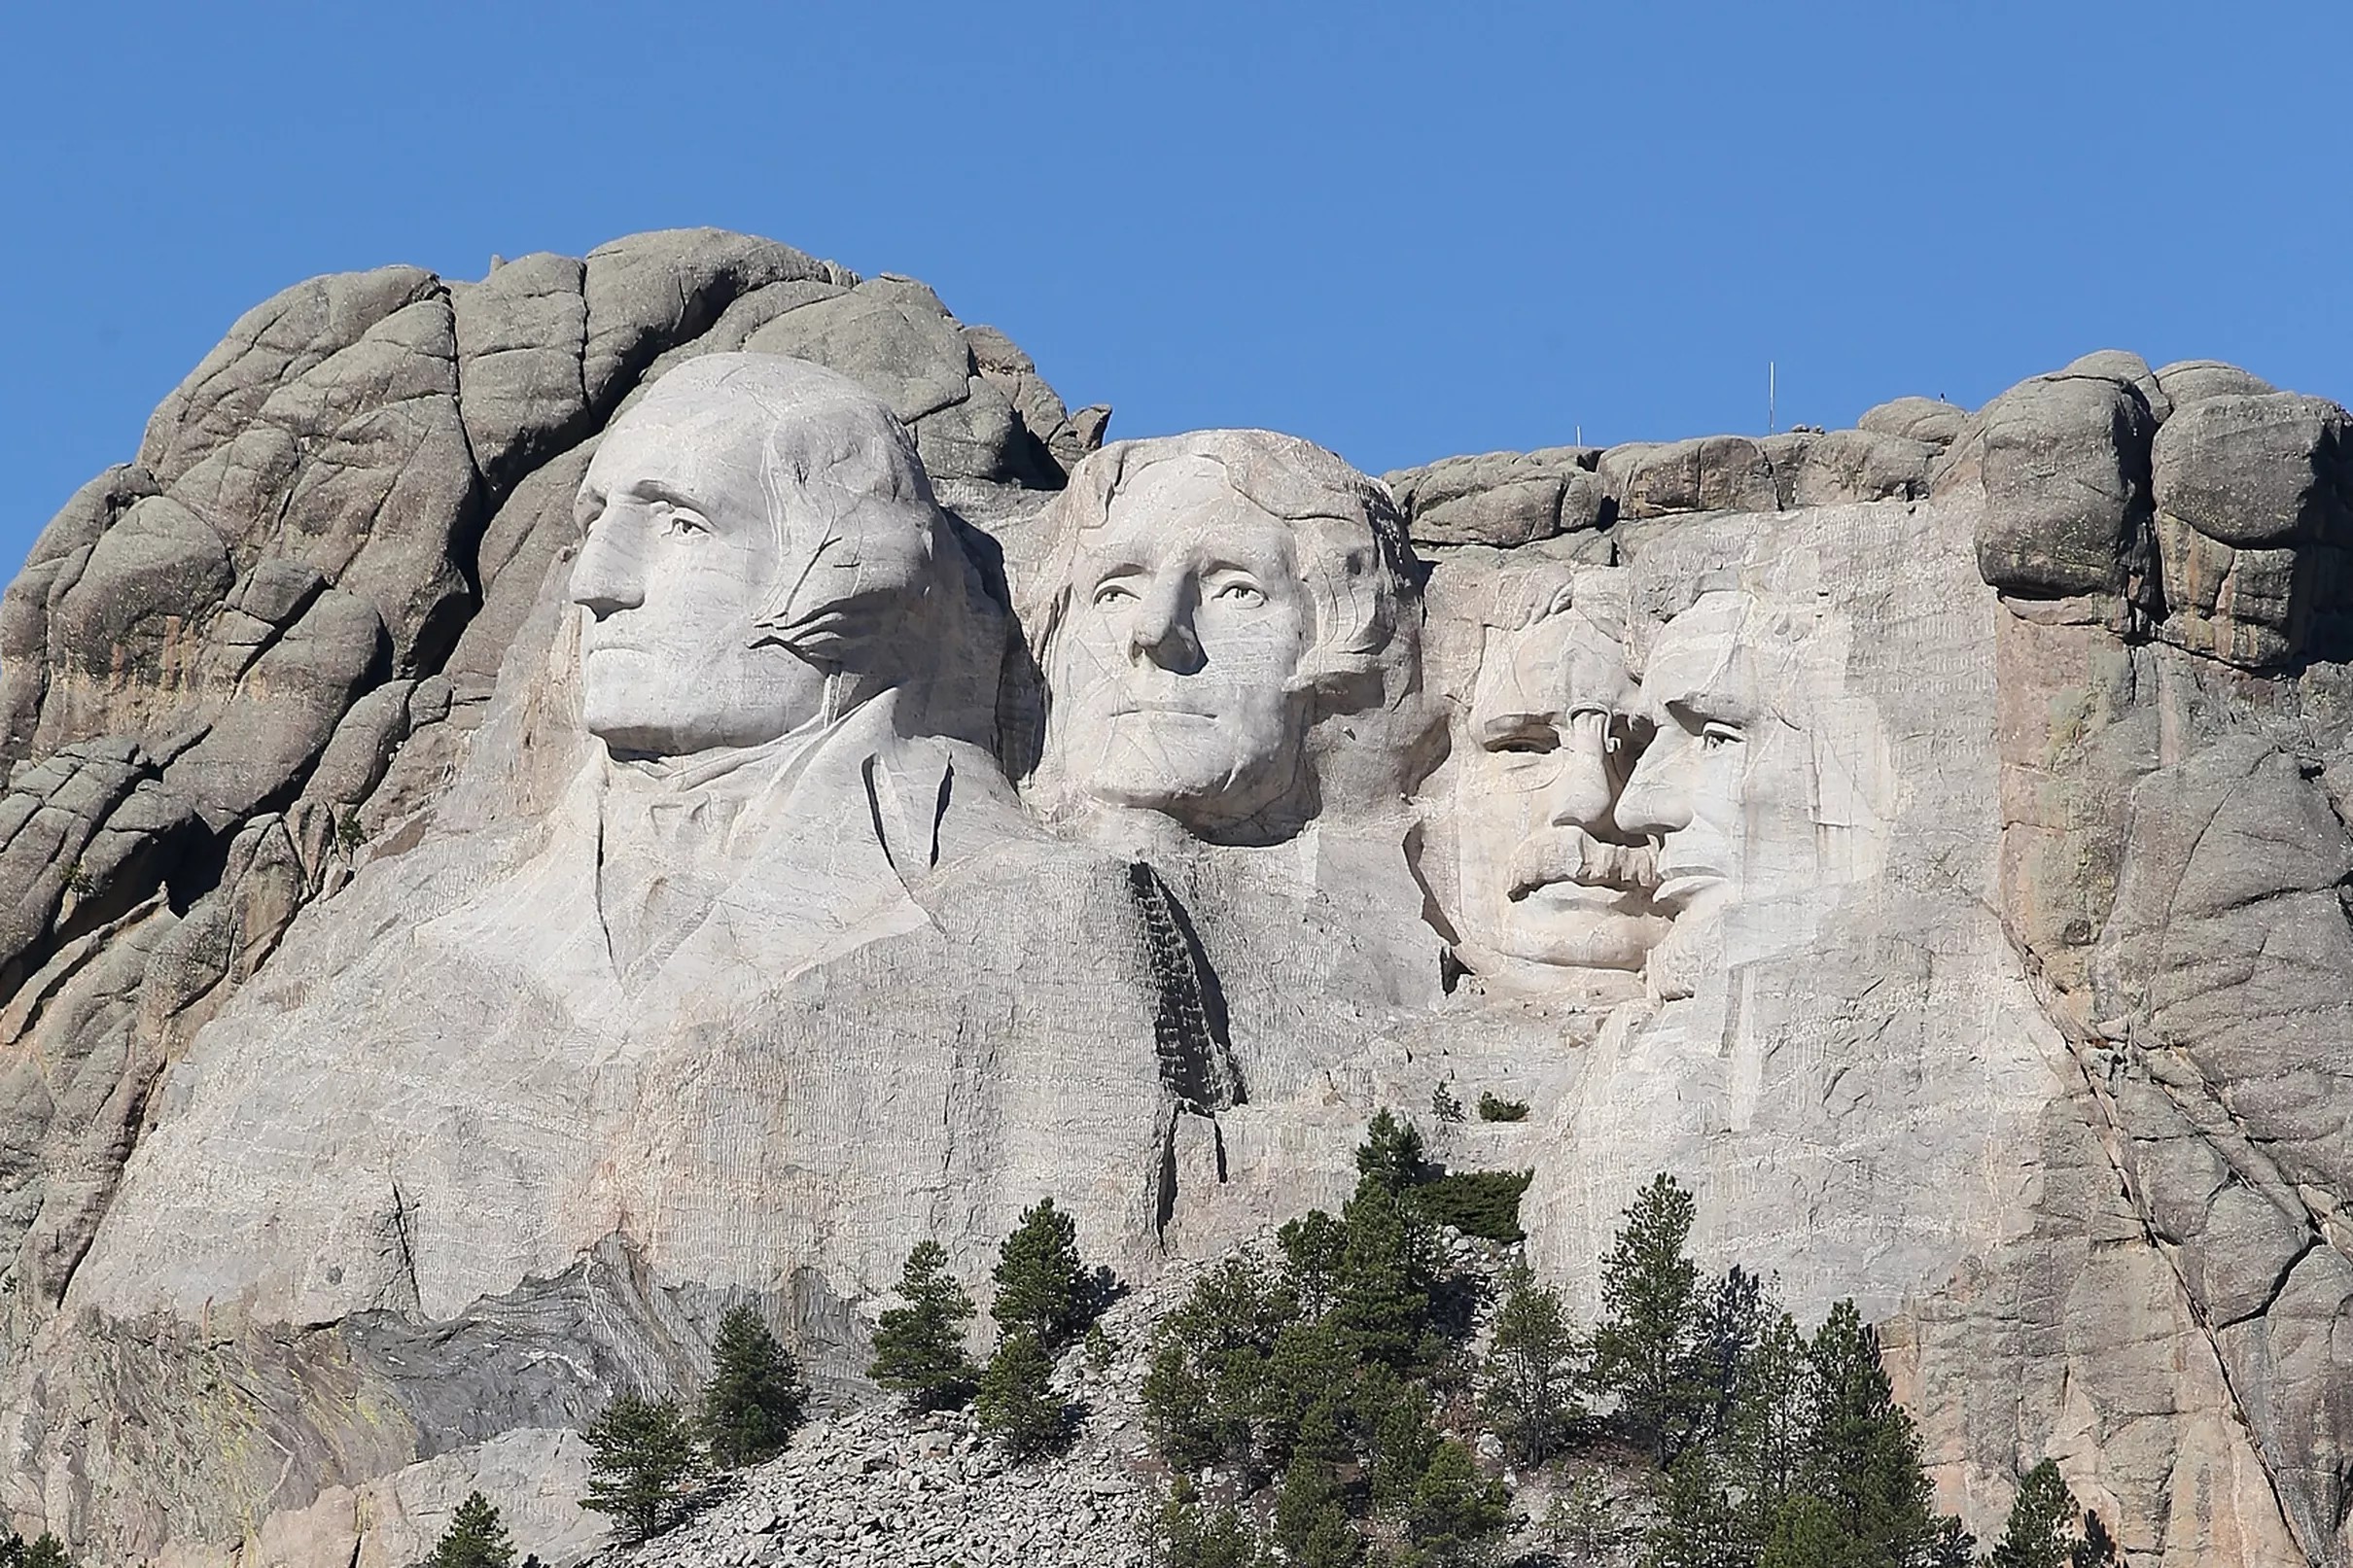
(1209, 598)
(1550, 881)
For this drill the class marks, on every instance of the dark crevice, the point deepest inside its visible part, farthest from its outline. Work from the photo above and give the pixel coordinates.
(1189, 1026)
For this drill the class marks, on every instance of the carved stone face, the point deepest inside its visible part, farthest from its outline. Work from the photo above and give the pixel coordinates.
(1692, 788)
(1174, 669)
(1548, 875)
(680, 552)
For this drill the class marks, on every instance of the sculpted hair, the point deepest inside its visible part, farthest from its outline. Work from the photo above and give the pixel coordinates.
(1351, 553)
(848, 501)
(867, 553)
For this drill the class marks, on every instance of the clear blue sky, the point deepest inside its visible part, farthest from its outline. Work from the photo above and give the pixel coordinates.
(1401, 230)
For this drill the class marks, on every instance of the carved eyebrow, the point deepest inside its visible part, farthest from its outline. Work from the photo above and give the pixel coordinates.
(1502, 726)
(663, 490)
(1693, 710)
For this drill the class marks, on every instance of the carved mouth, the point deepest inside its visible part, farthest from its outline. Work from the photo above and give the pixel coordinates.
(1678, 884)
(1568, 867)
(1161, 710)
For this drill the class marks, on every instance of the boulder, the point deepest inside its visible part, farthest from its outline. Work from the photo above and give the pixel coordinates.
(2256, 469)
(2254, 496)
(2062, 465)
(2186, 381)
(1503, 498)
(521, 335)
(1708, 473)
(1919, 419)
(1831, 467)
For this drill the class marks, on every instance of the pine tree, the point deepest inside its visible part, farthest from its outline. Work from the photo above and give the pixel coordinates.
(1178, 1410)
(1330, 1542)
(1529, 1378)
(1183, 1536)
(1952, 1547)
(1392, 1423)
(477, 1538)
(1805, 1532)
(12, 1548)
(1650, 1318)
(1016, 1404)
(1694, 1525)
(641, 1457)
(2040, 1531)
(1310, 1489)
(1207, 1390)
(1306, 1372)
(1453, 1513)
(1444, 1106)
(1733, 1316)
(1863, 1456)
(1380, 1311)
(1765, 1432)
(1391, 1156)
(1042, 1288)
(919, 1349)
(48, 1553)
(755, 1395)
(1312, 1246)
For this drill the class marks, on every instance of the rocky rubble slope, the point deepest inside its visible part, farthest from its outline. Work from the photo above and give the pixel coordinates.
(875, 1488)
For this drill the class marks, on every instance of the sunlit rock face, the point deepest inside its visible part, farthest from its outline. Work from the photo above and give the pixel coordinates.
(546, 807)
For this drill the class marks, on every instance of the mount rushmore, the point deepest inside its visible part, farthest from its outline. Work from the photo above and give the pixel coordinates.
(542, 808)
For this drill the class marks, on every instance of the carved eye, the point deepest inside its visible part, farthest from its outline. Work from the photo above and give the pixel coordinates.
(1247, 593)
(678, 522)
(1526, 743)
(1716, 735)
(1113, 593)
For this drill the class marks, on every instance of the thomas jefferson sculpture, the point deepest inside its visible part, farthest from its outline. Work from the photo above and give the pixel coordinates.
(1209, 599)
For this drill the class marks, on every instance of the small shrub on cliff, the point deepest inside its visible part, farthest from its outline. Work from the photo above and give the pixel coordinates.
(918, 1351)
(757, 1392)
(1495, 1108)
(477, 1538)
(642, 1463)
(1476, 1203)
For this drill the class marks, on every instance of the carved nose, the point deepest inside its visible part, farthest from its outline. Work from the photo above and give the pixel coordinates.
(1650, 804)
(1163, 630)
(602, 579)
(1582, 796)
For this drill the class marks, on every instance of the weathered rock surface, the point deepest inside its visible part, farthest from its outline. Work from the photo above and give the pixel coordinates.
(1928, 840)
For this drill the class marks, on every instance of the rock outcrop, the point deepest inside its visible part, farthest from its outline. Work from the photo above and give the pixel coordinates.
(430, 997)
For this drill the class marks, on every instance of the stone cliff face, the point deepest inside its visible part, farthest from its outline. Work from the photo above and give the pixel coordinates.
(1928, 840)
